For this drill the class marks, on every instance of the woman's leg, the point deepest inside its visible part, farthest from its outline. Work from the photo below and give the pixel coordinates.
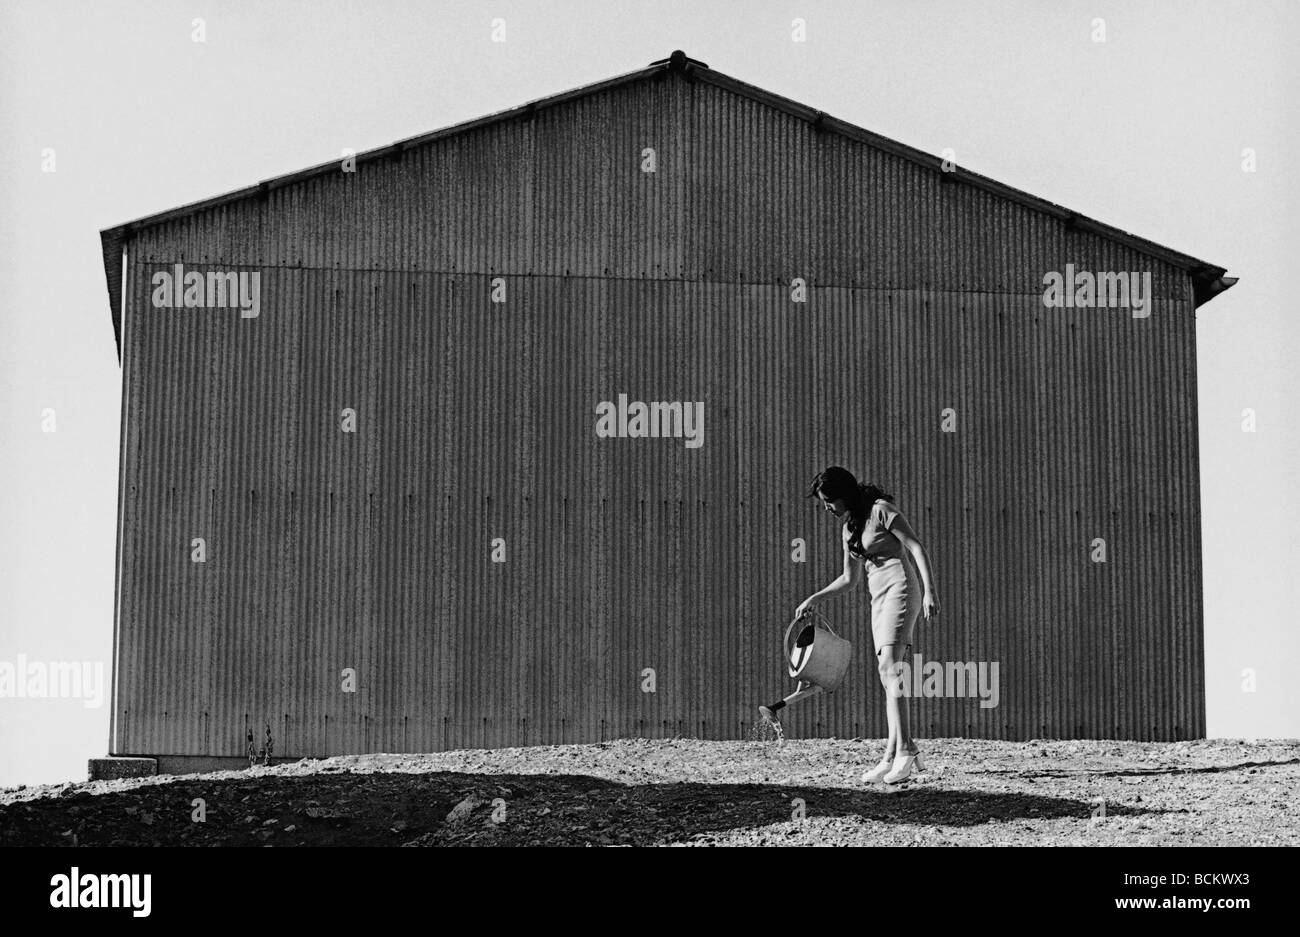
(885, 667)
(896, 708)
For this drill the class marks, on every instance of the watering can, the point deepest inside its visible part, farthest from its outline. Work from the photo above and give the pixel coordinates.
(816, 654)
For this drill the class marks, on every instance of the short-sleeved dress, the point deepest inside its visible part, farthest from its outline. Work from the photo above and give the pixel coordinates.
(892, 579)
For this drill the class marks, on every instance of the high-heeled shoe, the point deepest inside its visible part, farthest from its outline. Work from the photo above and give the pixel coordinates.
(878, 772)
(904, 767)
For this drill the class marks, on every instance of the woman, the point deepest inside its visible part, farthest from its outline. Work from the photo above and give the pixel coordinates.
(877, 536)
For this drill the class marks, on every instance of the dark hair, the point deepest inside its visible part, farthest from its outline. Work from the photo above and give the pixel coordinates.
(839, 484)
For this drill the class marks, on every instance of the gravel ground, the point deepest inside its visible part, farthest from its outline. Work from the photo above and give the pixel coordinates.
(687, 792)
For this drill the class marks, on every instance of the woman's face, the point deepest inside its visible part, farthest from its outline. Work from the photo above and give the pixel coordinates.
(835, 507)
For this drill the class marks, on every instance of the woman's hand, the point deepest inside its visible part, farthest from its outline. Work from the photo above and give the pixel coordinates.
(807, 605)
(930, 606)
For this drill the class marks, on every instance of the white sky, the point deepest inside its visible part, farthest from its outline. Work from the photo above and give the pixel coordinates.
(1144, 131)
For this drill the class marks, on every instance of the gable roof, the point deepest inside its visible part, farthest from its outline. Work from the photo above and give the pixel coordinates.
(1208, 280)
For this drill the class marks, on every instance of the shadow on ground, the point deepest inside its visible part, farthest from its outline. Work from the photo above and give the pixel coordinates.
(1133, 772)
(448, 808)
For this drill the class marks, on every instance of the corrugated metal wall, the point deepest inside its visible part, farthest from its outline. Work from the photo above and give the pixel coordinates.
(373, 550)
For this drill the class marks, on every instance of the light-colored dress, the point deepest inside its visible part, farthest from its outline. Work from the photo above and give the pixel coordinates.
(892, 579)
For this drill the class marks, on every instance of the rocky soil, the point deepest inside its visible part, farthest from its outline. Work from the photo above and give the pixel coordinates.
(686, 792)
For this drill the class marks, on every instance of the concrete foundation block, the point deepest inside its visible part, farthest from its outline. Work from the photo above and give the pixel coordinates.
(111, 768)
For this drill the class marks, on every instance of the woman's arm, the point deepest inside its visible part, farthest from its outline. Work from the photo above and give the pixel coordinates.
(846, 580)
(907, 537)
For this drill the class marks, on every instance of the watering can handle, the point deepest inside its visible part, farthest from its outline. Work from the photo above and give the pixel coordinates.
(820, 619)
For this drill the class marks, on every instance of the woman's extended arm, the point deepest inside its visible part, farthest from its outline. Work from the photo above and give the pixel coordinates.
(846, 580)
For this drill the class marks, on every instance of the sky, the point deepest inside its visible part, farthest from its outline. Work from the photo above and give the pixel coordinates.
(1175, 128)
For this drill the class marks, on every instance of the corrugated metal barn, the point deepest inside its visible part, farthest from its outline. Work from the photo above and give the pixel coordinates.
(412, 537)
